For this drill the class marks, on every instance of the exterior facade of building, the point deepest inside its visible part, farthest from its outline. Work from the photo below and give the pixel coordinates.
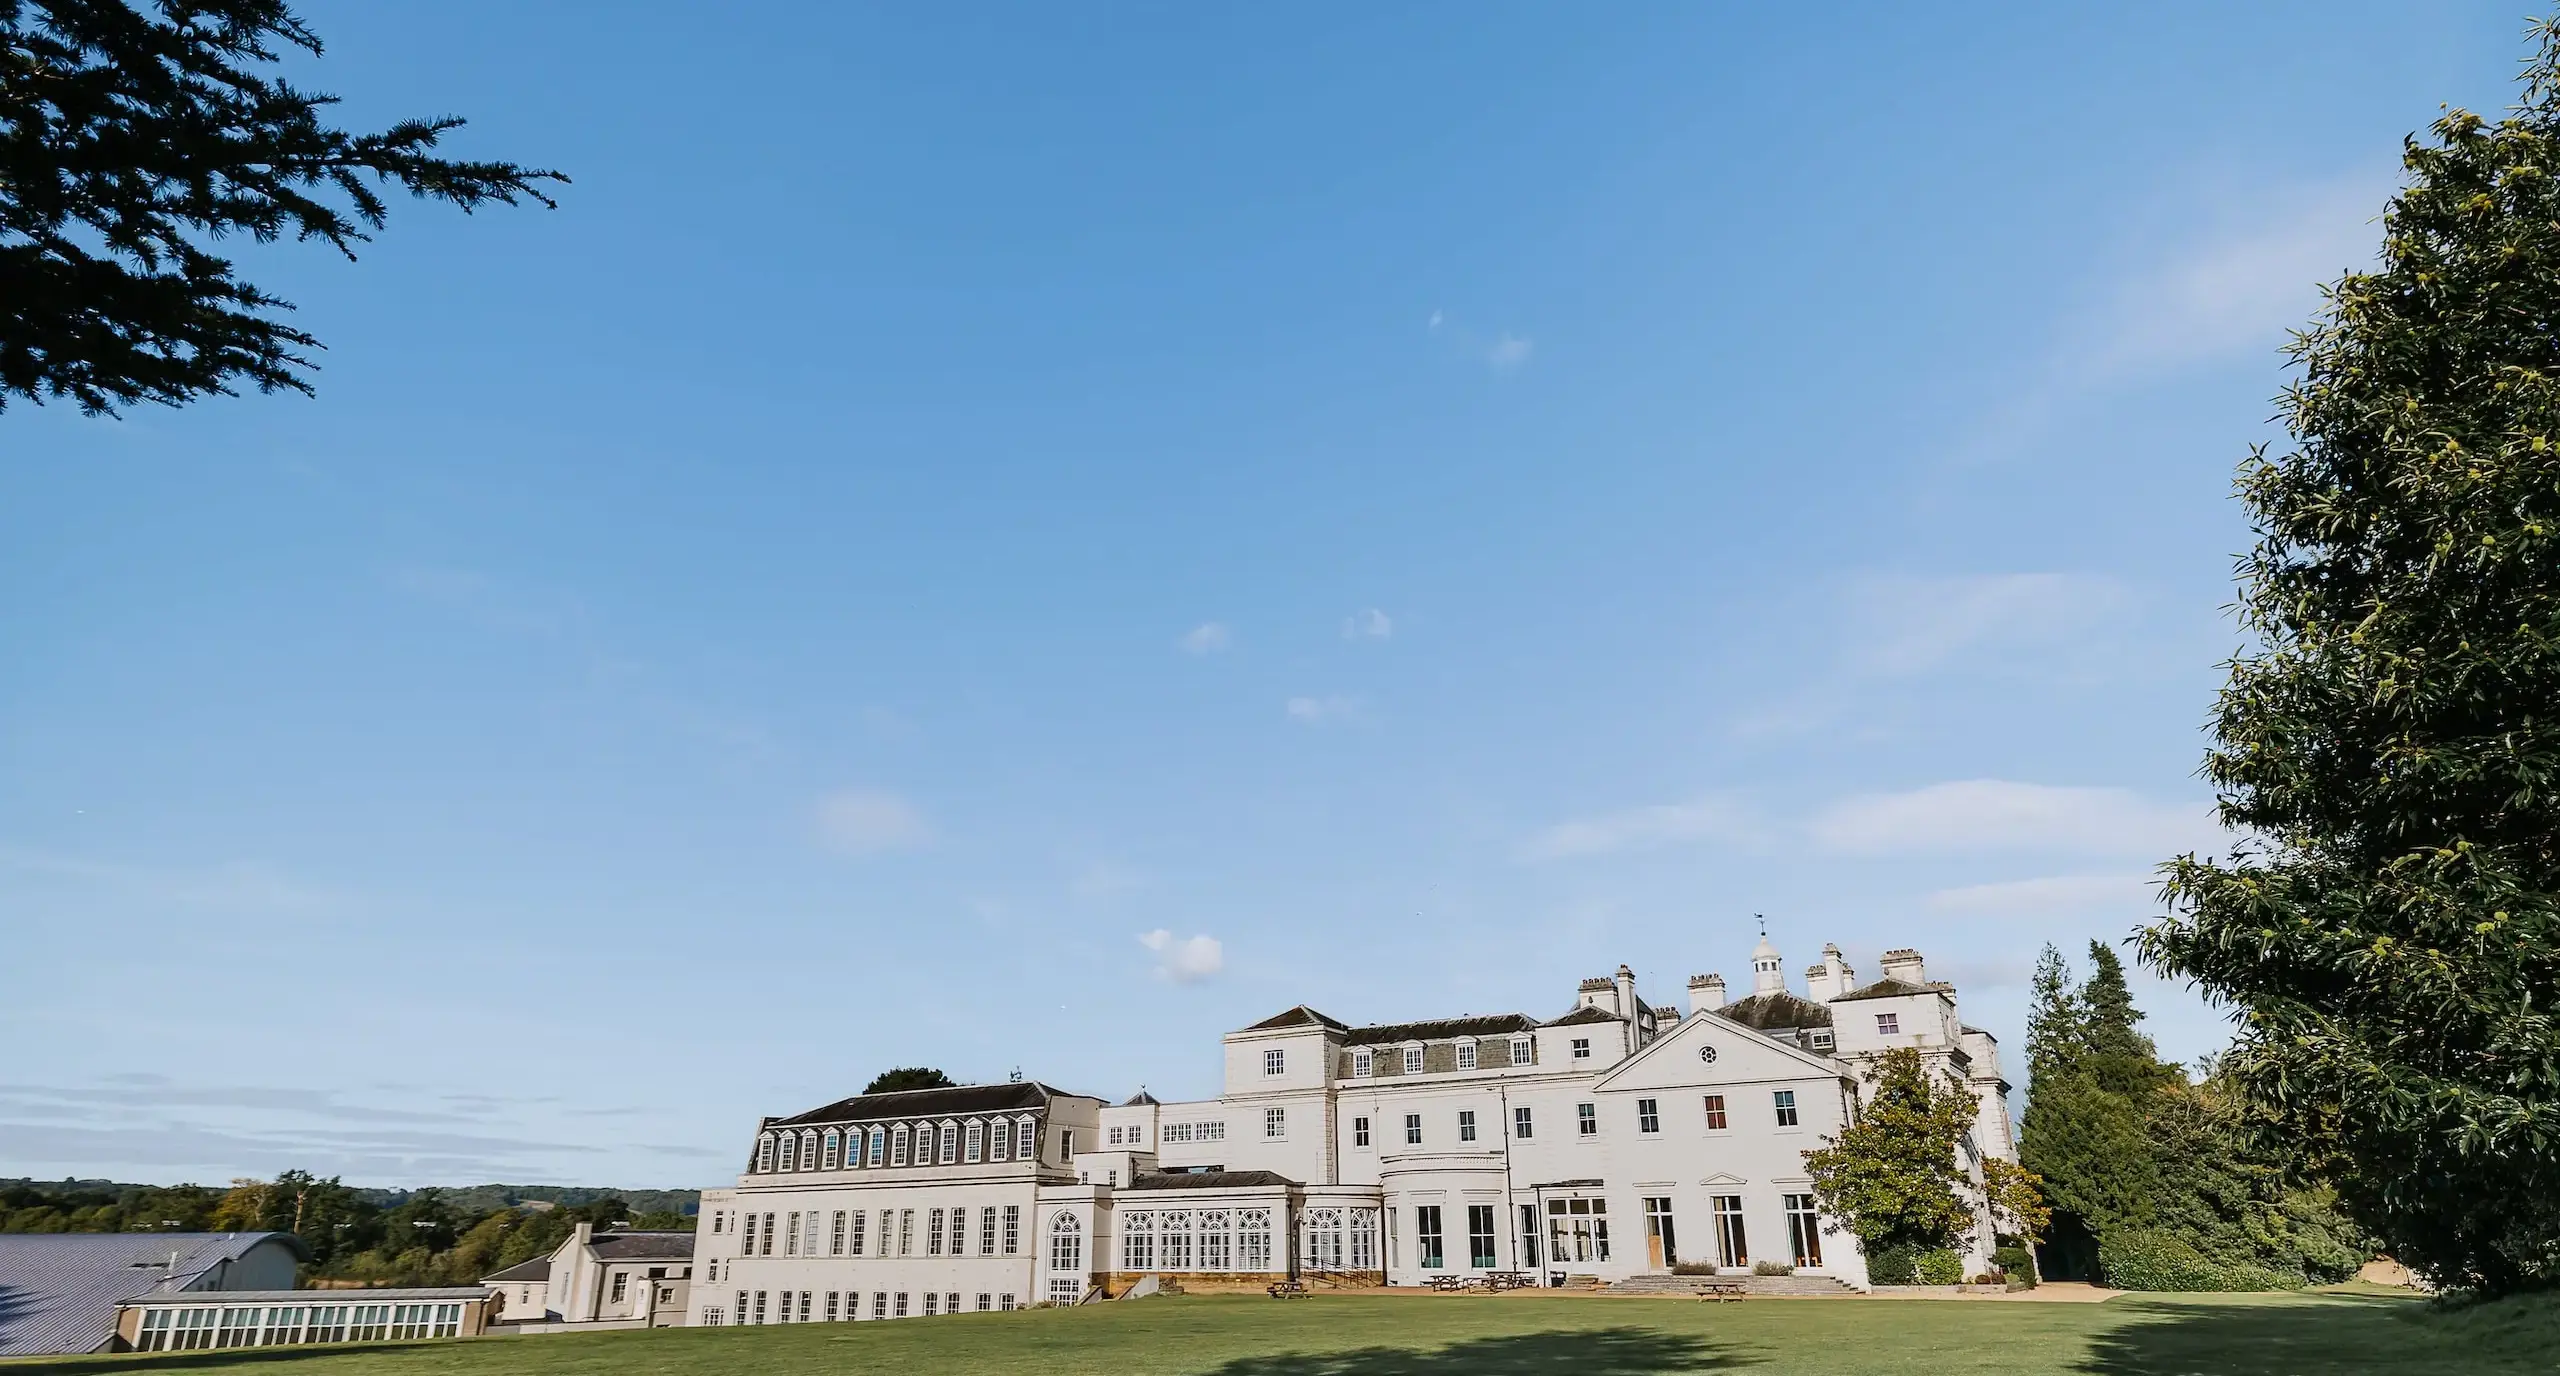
(189, 1321)
(59, 1291)
(1617, 1139)
(599, 1280)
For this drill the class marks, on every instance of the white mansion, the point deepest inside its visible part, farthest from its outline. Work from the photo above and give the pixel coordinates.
(1608, 1142)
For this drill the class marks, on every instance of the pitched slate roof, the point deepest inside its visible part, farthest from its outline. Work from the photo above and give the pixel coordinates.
(1893, 989)
(1440, 1029)
(927, 1103)
(1141, 1099)
(58, 1291)
(1588, 1013)
(537, 1269)
(667, 1246)
(1775, 1010)
(1300, 1016)
(1207, 1180)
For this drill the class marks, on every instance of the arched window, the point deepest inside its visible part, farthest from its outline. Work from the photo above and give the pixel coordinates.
(950, 1143)
(1066, 1255)
(764, 1152)
(1323, 1246)
(977, 1147)
(834, 1148)
(1138, 1241)
(879, 1145)
(898, 1145)
(809, 1150)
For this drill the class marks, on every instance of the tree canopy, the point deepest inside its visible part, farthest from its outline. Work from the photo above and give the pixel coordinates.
(907, 1077)
(2389, 934)
(1892, 1176)
(132, 137)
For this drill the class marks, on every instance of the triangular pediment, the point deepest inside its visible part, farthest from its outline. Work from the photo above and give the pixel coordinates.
(1704, 1050)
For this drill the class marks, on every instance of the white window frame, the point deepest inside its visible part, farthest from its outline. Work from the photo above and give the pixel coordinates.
(1521, 1053)
(1363, 1065)
(1586, 1120)
(1275, 1061)
(1466, 1055)
(1413, 1060)
(1888, 1024)
(1275, 1124)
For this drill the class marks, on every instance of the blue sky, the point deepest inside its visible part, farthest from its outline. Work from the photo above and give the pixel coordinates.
(1030, 538)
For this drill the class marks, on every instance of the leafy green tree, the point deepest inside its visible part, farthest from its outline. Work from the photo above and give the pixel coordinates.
(133, 134)
(663, 1221)
(907, 1077)
(1892, 1175)
(2390, 933)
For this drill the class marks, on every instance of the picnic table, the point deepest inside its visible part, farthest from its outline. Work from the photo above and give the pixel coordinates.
(1451, 1283)
(1509, 1280)
(1721, 1290)
(1291, 1289)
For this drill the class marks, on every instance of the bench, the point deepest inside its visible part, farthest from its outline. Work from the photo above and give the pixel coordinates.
(1286, 1290)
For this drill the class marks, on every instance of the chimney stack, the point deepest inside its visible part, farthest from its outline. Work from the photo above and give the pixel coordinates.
(1591, 992)
(1905, 965)
(1706, 993)
(1829, 979)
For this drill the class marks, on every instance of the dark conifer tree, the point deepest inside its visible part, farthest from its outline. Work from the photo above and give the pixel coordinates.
(136, 133)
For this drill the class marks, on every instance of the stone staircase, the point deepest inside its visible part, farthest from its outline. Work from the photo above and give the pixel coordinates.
(1685, 1287)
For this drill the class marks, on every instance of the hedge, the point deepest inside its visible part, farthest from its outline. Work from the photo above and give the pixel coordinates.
(2148, 1259)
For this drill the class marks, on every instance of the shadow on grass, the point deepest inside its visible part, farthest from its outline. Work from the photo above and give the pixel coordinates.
(2337, 1333)
(250, 1356)
(1582, 1352)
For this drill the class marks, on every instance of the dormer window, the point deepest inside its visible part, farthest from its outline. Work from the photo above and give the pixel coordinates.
(1466, 1055)
(1413, 1060)
(1582, 1048)
(1822, 1039)
(1519, 1050)
(764, 1153)
(1362, 1064)
(1888, 1024)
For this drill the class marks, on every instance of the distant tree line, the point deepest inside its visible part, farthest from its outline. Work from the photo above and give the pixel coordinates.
(417, 1237)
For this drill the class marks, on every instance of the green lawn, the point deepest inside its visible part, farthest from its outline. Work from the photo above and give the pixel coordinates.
(1473, 1336)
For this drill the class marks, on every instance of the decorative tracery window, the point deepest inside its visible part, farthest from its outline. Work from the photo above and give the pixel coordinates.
(1066, 1252)
(1253, 1239)
(1174, 1232)
(1323, 1247)
(1217, 1245)
(1138, 1241)
(1364, 1239)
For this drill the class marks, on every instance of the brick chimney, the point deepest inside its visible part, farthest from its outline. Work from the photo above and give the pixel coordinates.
(1706, 993)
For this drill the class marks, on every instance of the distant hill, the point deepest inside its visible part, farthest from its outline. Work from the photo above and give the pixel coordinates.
(473, 1199)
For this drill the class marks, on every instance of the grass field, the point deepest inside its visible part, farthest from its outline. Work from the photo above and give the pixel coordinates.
(1512, 1336)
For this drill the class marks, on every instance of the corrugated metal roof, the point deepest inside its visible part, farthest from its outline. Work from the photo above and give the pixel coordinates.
(58, 1291)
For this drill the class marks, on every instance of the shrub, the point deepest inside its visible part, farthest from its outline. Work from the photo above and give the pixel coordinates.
(1939, 1268)
(1893, 1266)
(1772, 1268)
(2148, 1259)
(2018, 1264)
(1693, 1268)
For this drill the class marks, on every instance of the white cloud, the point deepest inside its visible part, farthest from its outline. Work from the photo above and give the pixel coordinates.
(1502, 353)
(1186, 961)
(1908, 624)
(868, 821)
(2241, 289)
(1997, 814)
(1642, 828)
(1368, 624)
(1322, 711)
(2052, 895)
(1207, 638)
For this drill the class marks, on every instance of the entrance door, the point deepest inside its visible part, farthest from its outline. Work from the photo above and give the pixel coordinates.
(1659, 1249)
